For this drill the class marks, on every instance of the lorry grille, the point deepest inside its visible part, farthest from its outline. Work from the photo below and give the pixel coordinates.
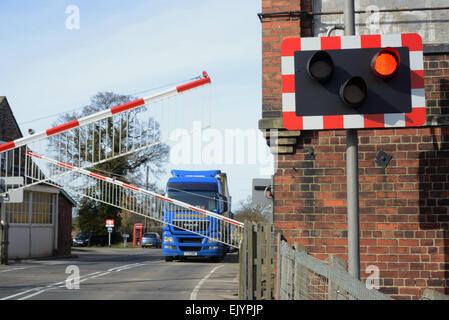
(190, 240)
(191, 225)
(189, 248)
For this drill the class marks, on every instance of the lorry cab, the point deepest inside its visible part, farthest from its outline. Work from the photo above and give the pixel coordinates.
(203, 189)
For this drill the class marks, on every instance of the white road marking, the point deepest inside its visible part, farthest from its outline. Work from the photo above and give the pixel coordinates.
(39, 290)
(61, 284)
(34, 294)
(96, 276)
(14, 269)
(127, 266)
(195, 291)
(18, 294)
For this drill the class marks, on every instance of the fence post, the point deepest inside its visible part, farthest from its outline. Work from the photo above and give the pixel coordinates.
(333, 291)
(256, 262)
(261, 254)
(269, 263)
(285, 273)
(243, 257)
(278, 265)
(258, 244)
(300, 277)
(250, 262)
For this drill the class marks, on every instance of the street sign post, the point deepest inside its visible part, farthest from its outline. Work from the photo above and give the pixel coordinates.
(352, 169)
(125, 239)
(110, 226)
(110, 223)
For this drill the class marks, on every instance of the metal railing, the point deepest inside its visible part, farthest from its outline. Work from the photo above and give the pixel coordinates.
(146, 203)
(430, 294)
(127, 129)
(303, 277)
(123, 130)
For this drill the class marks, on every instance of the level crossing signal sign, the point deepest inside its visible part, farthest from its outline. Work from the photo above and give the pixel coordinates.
(110, 223)
(353, 82)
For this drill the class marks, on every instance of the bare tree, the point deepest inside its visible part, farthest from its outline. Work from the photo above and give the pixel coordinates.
(250, 211)
(90, 143)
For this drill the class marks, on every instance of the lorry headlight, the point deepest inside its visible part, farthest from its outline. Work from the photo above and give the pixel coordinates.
(212, 248)
(169, 240)
(170, 247)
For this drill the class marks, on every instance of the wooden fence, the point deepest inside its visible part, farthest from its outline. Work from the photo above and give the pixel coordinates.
(299, 276)
(257, 262)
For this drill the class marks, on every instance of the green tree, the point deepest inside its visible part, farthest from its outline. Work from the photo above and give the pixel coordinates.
(91, 144)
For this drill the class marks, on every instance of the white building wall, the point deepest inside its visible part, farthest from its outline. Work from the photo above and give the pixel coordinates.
(32, 237)
(19, 246)
(433, 26)
(42, 241)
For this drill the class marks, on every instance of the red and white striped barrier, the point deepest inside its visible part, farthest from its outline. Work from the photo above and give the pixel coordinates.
(131, 187)
(417, 117)
(106, 113)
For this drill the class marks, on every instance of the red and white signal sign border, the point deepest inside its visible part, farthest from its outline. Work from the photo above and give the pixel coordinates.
(110, 223)
(417, 117)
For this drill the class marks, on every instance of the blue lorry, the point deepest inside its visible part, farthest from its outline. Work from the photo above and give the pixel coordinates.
(206, 190)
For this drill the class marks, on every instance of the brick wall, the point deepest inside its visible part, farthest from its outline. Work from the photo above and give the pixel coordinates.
(437, 88)
(404, 216)
(274, 30)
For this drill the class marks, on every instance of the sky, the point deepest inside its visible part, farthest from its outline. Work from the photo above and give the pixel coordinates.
(55, 59)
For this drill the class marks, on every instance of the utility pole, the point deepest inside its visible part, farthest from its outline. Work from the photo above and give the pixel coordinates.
(4, 236)
(352, 175)
(146, 187)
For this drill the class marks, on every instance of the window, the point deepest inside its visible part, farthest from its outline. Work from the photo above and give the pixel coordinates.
(42, 208)
(149, 235)
(19, 212)
(201, 199)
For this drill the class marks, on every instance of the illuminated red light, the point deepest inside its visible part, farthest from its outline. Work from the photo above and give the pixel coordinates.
(386, 63)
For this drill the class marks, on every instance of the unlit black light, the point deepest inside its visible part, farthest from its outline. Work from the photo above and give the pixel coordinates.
(320, 66)
(354, 91)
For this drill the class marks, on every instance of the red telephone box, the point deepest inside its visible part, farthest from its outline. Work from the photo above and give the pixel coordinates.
(138, 234)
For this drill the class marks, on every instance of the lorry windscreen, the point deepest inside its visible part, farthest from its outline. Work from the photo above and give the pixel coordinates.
(201, 199)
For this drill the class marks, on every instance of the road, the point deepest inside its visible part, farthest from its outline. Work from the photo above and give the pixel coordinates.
(122, 274)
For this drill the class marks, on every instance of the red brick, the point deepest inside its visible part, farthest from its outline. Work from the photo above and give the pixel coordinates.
(403, 207)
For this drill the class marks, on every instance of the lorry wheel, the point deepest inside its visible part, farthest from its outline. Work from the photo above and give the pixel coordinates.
(168, 259)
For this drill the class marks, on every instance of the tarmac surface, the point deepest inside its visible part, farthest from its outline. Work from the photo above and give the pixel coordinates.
(119, 274)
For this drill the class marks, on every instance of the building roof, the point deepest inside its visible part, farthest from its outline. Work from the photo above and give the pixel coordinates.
(68, 197)
(10, 130)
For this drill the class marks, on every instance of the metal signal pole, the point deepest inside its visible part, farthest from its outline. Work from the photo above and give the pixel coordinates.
(352, 176)
(145, 228)
(4, 234)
